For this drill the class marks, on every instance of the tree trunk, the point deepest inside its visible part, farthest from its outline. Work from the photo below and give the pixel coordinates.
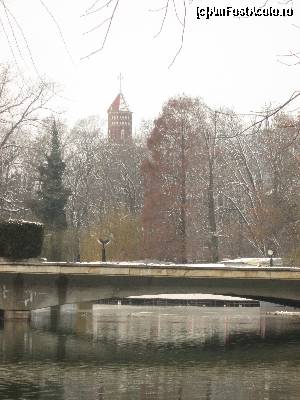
(214, 245)
(56, 246)
(182, 223)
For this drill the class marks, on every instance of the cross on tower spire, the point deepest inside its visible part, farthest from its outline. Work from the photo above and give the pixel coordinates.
(120, 77)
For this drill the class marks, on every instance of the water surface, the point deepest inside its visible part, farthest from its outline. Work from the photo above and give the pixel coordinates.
(130, 353)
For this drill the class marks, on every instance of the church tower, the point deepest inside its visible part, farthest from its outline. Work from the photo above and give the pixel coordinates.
(119, 120)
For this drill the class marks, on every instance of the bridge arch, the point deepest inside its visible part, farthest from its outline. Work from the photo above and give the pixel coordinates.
(34, 286)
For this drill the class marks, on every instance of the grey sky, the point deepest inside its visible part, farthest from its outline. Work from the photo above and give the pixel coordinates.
(227, 61)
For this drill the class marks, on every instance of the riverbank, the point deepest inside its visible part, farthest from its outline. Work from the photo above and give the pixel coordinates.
(200, 300)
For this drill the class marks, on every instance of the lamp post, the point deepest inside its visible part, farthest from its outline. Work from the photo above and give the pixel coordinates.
(103, 243)
(270, 254)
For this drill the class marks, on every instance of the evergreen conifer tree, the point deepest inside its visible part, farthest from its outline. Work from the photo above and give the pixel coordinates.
(52, 195)
(50, 207)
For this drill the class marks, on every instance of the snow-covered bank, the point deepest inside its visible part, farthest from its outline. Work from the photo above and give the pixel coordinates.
(285, 313)
(191, 296)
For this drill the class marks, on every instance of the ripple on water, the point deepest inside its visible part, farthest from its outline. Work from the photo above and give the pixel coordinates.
(163, 353)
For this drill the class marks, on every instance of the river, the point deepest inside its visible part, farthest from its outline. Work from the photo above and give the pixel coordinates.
(161, 353)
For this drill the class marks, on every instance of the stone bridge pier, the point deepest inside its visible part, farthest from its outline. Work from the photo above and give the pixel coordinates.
(21, 293)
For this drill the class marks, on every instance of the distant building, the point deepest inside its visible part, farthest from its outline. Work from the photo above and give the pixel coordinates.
(119, 121)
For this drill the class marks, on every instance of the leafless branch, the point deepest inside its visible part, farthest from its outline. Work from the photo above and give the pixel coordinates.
(166, 7)
(285, 2)
(157, 9)
(21, 108)
(12, 31)
(93, 5)
(176, 13)
(24, 38)
(182, 35)
(89, 12)
(291, 54)
(269, 114)
(97, 26)
(58, 28)
(107, 31)
(109, 20)
(8, 41)
(264, 4)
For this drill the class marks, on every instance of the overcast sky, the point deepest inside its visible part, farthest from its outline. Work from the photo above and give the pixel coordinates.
(227, 61)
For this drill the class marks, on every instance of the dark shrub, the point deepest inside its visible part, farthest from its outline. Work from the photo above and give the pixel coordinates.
(20, 239)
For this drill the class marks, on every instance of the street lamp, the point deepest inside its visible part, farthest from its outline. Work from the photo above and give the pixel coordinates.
(103, 243)
(270, 254)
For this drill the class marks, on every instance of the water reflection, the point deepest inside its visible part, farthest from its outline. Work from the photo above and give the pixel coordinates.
(166, 353)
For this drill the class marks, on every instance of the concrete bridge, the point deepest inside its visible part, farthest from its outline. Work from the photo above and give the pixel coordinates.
(29, 286)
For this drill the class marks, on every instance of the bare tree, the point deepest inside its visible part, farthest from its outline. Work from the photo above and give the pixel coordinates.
(262, 182)
(107, 11)
(20, 105)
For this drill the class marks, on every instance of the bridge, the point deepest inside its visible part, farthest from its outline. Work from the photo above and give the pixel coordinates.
(26, 286)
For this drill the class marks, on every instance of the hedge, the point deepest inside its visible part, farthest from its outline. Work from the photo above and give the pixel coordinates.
(20, 239)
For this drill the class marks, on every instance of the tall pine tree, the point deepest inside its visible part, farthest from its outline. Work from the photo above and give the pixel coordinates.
(52, 195)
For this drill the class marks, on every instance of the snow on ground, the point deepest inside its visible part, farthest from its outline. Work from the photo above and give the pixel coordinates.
(254, 261)
(237, 262)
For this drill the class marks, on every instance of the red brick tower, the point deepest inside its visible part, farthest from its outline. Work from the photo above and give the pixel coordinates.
(119, 121)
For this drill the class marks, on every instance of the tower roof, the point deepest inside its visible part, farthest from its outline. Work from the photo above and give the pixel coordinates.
(119, 104)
